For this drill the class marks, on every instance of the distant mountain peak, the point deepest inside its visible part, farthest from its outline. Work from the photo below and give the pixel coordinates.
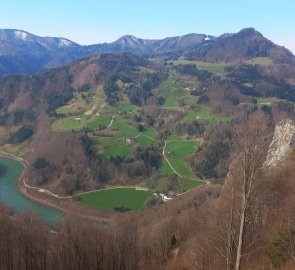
(234, 47)
(250, 32)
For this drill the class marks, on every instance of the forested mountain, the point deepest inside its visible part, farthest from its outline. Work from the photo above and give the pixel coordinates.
(246, 44)
(22, 52)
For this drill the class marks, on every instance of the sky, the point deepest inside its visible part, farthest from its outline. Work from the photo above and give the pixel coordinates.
(96, 21)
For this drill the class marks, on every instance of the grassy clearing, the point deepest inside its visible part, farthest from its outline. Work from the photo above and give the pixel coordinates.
(178, 152)
(146, 70)
(116, 197)
(171, 93)
(92, 123)
(172, 90)
(188, 184)
(66, 110)
(165, 168)
(123, 128)
(145, 141)
(100, 94)
(262, 61)
(190, 100)
(149, 132)
(66, 124)
(97, 122)
(124, 106)
(5, 131)
(112, 147)
(20, 149)
(215, 68)
(180, 184)
(249, 85)
(205, 114)
(267, 101)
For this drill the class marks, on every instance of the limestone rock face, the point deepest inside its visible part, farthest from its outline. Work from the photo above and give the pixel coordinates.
(283, 138)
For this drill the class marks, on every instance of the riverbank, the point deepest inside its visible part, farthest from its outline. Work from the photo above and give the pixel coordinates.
(66, 206)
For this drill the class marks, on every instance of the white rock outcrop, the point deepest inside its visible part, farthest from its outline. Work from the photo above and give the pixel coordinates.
(281, 143)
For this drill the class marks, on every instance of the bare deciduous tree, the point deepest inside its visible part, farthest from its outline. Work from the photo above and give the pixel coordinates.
(250, 145)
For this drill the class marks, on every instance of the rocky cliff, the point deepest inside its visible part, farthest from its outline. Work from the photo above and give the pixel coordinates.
(283, 139)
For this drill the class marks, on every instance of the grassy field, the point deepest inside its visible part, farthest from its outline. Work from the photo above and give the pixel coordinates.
(100, 94)
(20, 149)
(145, 141)
(179, 152)
(215, 68)
(124, 106)
(116, 197)
(188, 184)
(123, 128)
(267, 101)
(97, 122)
(262, 61)
(205, 114)
(180, 185)
(190, 100)
(71, 123)
(108, 147)
(165, 168)
(172, 89)
(66, 110)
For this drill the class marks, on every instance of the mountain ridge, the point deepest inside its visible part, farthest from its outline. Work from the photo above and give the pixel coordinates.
(247, 43)
(24, 53)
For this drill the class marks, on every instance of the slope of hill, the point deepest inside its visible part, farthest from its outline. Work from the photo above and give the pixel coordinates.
(22, 52)
(29, 105)
(246, 44)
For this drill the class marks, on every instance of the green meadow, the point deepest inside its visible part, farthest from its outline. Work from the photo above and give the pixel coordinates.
(128, 198)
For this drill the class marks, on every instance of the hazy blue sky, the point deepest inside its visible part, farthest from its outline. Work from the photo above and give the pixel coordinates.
(95, 21)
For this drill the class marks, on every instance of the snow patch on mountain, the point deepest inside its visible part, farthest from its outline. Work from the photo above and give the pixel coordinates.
(64, 43)
(21, 35)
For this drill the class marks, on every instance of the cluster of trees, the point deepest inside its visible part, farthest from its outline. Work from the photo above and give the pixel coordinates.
(17, 117)
(250, 225)
(129, 241)
(19, 136)
(137, 87)
(143, 164)
(55, 100)
(263, 83)
(26, 243)
(192, 128)
(212, 156)
(192, 69)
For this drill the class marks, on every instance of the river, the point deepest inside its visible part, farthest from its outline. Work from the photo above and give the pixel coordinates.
(10, 196)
